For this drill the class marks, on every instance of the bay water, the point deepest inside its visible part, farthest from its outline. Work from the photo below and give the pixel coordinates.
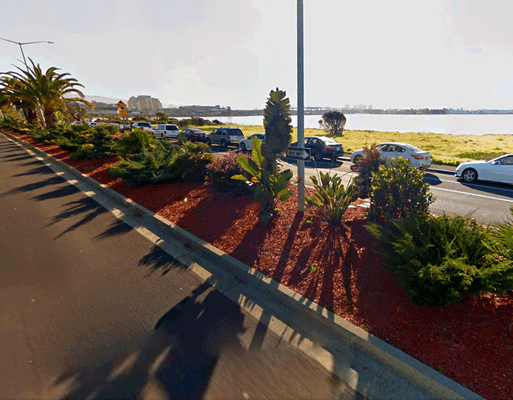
(450, 124)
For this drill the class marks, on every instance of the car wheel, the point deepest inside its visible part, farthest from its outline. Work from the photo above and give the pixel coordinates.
(318, 155)
(469, 175)
(209, 143)
(223, 143)
(243, 146)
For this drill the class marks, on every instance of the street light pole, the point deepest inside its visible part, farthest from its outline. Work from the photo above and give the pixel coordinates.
(300, 107)
(21, 47)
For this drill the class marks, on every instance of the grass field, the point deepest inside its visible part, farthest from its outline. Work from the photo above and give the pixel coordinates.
(444, 149)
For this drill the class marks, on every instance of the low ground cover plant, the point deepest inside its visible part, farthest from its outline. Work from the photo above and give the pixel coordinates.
(99, 144)
(134, 142)
(444, 259)
(163, 162)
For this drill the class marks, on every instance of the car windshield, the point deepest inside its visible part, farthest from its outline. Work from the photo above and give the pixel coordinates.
(146, 124)
(328, 140)
(196, 130)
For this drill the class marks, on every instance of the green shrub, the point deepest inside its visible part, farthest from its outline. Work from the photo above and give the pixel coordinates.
(103, 140)
(164, 163)
(100, 145)
(331, 199)
(398, 192)
(190, 162)
(219, 174)
(69, 144)
(85, 152)
(42, 136)
(13, 123)
(135, 142)
(72, 137)
(441, 260)
(146, 167)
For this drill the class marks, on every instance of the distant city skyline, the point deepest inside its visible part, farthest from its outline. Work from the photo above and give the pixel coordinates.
(395, 54)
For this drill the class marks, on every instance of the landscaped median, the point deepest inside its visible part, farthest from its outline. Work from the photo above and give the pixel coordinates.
(470, 342)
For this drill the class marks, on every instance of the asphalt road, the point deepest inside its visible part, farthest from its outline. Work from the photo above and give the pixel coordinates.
(95, 306)
(92, 309)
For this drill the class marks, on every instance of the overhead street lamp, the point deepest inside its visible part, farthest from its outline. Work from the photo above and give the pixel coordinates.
(21, 47)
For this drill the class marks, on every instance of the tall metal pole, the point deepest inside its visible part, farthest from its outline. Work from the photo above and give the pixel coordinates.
(300, 107)
(21, 48)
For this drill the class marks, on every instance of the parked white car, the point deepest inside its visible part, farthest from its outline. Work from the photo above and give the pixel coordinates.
(391, 150)
(499, 169)
(245, 144)
(165, 131)
(145, 126)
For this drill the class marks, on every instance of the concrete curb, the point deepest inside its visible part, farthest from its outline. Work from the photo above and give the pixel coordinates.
(414, 370)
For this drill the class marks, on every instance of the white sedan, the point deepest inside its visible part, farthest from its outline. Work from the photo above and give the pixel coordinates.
(499, 169)
(245, 144)
(391, 150)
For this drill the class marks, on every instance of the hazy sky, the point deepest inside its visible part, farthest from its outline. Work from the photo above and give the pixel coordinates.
(388, 54)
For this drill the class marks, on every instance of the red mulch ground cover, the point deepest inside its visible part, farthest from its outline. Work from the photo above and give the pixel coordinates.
(470, 342)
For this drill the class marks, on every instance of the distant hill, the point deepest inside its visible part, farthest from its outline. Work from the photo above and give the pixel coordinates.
(101, 99)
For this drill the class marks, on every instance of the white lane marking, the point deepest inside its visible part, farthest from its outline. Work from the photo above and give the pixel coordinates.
(472, 194)
(477, 186)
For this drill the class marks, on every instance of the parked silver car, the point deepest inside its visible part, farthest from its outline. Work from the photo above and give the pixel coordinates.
(391, 150)
(225, 137)
(245, 144)
(145, 126)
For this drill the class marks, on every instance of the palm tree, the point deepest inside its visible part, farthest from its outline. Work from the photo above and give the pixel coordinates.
(48, 91)
(14, 93)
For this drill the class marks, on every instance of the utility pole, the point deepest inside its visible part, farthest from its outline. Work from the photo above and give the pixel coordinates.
(300, 107)
(23, 44)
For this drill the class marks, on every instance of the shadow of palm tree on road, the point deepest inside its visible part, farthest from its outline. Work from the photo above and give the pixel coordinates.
(175, 361)
(85, 207)
(159, 260)
(34, 186)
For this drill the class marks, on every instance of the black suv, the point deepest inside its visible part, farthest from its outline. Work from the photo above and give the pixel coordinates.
(322, 147)
(225, 137)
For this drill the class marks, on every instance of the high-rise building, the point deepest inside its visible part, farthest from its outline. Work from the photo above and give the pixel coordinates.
(144, 103)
